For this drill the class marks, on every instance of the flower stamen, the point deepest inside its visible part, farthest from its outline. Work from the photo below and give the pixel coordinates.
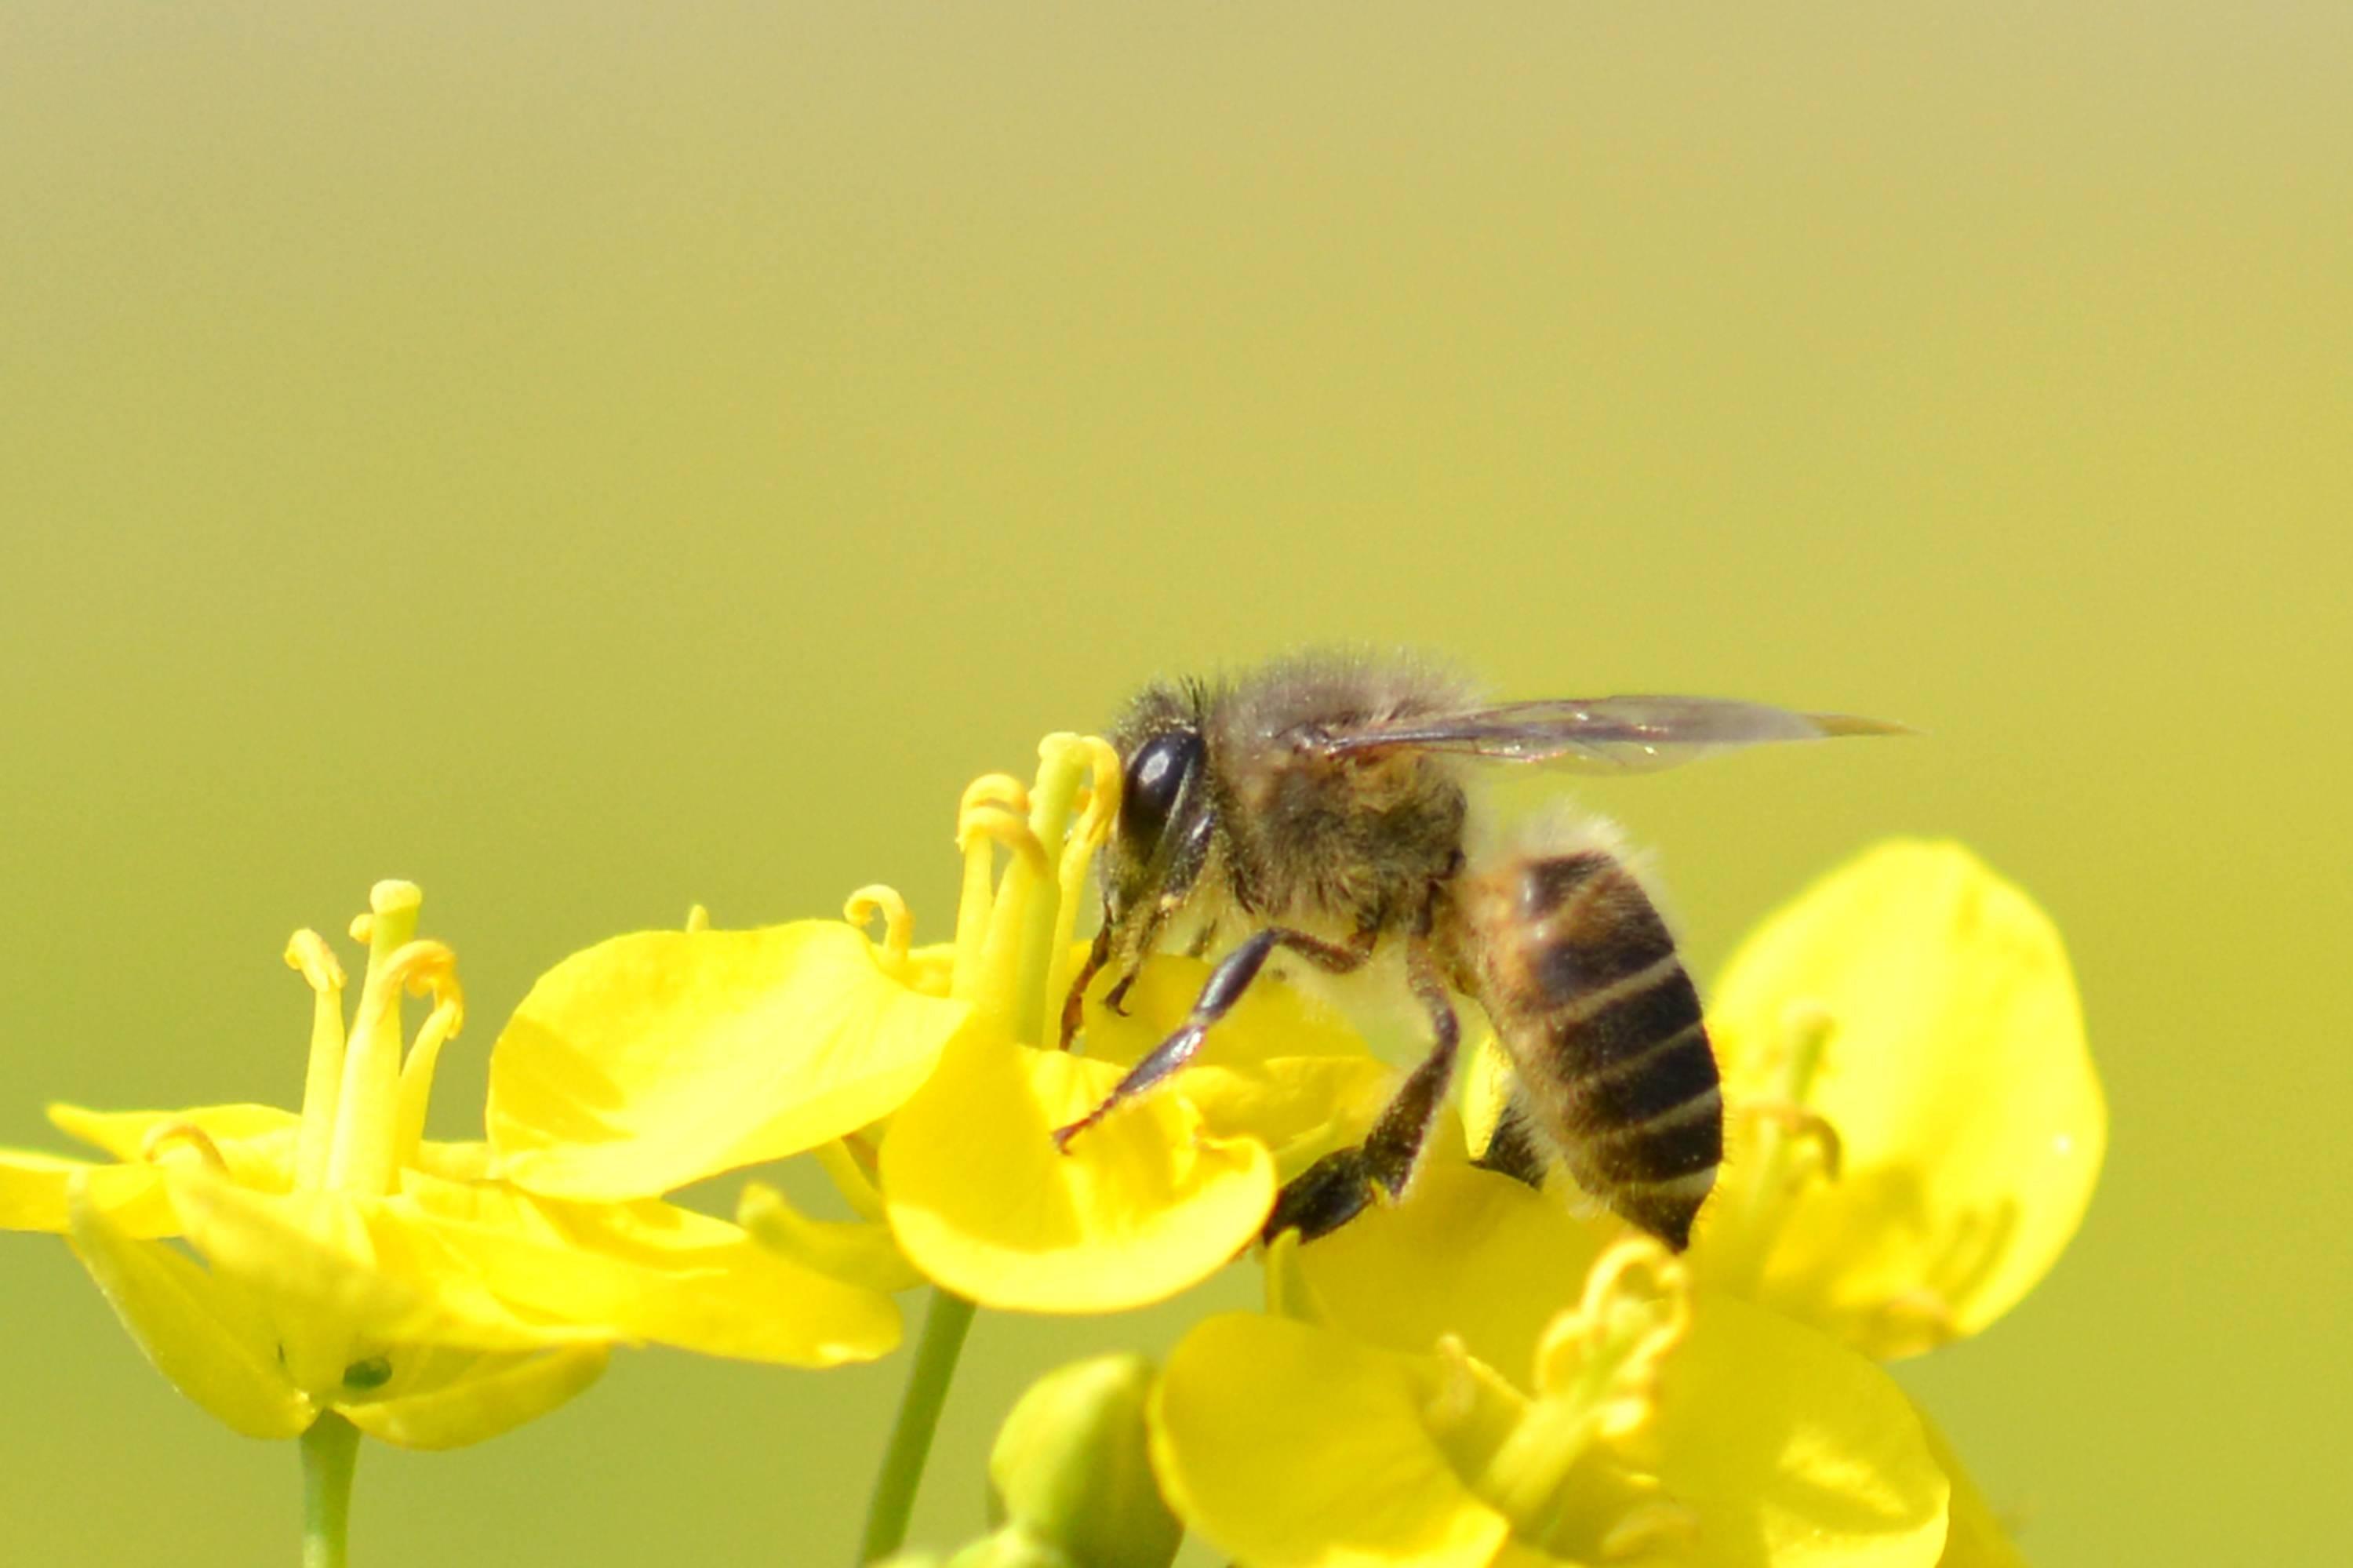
(898, 921)
(1596, 1381)
(164, 1137)
(323, 1078)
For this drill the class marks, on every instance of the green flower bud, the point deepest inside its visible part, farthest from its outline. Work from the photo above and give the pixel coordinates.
(1011, 1547)
(1070, 1468)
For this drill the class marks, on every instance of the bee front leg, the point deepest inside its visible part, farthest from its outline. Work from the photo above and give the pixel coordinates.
(1335, 1189)
(1227, 982)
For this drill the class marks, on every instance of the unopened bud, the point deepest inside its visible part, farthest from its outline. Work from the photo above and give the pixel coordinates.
(1071, 1467)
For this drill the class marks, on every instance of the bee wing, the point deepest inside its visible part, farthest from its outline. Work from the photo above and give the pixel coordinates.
(1596, 735)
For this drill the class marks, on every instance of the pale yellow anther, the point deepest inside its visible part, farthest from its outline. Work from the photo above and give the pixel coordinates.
(163, 1139)
(1636, 1309)
(1805, 1127)
(1098, 801)
(1660, 1526)
(898, 921)
(1455, 1400)
(697, 919)
(1914, 1322)
(991, 791)
(994, 822)
(308, 951)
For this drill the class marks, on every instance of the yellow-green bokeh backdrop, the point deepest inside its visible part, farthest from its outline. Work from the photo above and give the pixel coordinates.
(592, 457)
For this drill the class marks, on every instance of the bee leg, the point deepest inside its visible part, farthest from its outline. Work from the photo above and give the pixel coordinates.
(1335, 1189)
(1512, 1150)
(1074, 1003)
(1228, 981)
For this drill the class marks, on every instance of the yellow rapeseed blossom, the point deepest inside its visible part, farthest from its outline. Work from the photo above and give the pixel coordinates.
(654, 1060)
(1916, 1125)
(344, 1263)
(1150, 1201)
(314, 1294)
(1440, 1416)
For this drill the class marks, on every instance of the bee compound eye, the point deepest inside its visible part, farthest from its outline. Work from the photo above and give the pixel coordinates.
(1154, 778)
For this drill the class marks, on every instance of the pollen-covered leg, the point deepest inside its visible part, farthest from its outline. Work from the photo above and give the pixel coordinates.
(1335, 1190)
(1512, 1149)
(1226, 984)
(1321, 1198)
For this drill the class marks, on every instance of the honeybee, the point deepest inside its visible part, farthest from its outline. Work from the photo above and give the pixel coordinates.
(1325, 803)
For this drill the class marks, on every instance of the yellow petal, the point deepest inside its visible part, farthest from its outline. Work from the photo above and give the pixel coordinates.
(336, 1271)
(861, 1252)
(1792, 1450)
(257, 1142)
(1283, 1067)
(1146, 1203)
(1469, 1253)
(654, 1271)
(34, 1191)
(207, 1337)
(1974, 1538)
(1272, 1020)
(447, 1399)
(653, 1060)
(1958, 1079)
(1291, 1446)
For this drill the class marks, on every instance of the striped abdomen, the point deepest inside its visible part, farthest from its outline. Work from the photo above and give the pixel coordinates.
(1603, 1026)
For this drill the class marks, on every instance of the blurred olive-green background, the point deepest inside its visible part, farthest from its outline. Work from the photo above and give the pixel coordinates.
(592, 457)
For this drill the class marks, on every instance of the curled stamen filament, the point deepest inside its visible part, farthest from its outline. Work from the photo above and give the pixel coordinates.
(165, 1136)
(370, 1112)
(898, 922)
(308, 951)
(449, 1015)
(1805, 1128)
(988, 819)
(323, 1078)
(1622, 1331)
(1098, 806)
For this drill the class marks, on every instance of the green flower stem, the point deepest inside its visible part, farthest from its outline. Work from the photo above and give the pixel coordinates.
(331, 1450)
(945, 1327)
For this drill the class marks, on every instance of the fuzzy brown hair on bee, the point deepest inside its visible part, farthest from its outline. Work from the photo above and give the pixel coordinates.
(1324, 803)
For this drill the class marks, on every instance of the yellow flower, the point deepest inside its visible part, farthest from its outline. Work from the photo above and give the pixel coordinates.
(1422, 1420)
(1916, 1125)
(655, 1060)
(1150, 1201)
(338, 1261)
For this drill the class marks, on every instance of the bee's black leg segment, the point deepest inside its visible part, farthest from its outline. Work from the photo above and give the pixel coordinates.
(1227, 983)
(1395, 1143)
(1075, 1003)
(1512, 1150)
(1335, 1189)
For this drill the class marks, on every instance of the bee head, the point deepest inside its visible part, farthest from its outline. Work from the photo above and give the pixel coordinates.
(1157, 851)
(1167, 819)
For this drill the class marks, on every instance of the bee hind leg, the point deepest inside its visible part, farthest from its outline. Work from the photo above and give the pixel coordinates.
(1512, 1150)
(1335, 1189)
